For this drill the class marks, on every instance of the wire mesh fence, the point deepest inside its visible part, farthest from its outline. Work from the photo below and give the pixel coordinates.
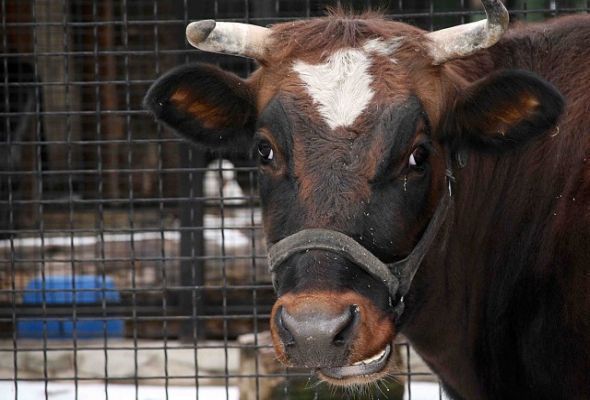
(132, 266)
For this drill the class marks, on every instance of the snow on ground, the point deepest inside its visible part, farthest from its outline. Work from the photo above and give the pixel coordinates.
(424, 391)
(96, 391)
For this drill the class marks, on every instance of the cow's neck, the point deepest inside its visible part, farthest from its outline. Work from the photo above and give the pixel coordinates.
(450, 285)
(466, 284)
(446, 336)
(467, 280)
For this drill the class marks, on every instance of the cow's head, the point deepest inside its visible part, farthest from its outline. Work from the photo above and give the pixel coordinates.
(351, 119)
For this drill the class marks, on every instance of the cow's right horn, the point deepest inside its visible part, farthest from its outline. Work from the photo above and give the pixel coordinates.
(463, 40)
(228, 38)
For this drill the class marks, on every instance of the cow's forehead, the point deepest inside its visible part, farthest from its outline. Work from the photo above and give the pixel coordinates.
(342, 86)
(326, 62)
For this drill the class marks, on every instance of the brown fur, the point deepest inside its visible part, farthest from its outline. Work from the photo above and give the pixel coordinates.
(500, 306)
(306, 41)
(506, 183)
(518, 206)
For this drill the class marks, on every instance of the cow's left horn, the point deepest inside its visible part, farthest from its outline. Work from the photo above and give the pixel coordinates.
(228, 37)
(463, 40)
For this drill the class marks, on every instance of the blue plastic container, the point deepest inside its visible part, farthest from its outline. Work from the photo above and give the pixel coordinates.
(59, 290)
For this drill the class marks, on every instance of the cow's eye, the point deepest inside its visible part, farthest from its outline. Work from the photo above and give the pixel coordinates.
(265, 151)
(418, 157)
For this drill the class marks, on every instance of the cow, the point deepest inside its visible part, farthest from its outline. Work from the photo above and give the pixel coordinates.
(431, 184)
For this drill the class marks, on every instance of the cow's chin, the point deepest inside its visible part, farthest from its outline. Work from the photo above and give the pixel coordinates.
(362, 372)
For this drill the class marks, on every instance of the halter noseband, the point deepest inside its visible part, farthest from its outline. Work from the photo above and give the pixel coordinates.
(397, 276)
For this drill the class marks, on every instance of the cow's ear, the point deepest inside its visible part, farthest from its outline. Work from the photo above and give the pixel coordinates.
(503, 111)
(212, 108)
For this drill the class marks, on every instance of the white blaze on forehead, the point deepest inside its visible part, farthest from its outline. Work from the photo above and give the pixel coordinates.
(341, 86)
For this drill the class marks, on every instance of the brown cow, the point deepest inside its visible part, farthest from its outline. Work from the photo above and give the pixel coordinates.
(456, 161)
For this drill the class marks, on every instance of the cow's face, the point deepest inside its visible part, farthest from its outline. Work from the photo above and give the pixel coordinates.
(350, 135)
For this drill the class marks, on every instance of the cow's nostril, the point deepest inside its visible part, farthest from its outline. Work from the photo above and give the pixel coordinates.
(285, 335)
(344, 335)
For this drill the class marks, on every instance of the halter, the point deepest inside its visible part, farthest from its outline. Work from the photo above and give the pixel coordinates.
(397, 276)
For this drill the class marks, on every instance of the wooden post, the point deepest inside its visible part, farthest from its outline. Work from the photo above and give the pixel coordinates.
(113, 125)
(192, 269)
(54, 64)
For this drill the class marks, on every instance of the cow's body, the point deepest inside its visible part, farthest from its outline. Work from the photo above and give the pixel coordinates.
(512, 284)
(500, 307)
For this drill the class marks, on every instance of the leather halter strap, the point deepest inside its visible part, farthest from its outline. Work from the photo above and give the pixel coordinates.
(397, 277)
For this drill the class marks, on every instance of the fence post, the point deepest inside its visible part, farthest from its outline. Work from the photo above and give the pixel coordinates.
(192, 246)
(192, 266)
